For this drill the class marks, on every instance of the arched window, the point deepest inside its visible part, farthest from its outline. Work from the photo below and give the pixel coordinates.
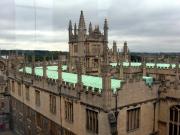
(174, 123)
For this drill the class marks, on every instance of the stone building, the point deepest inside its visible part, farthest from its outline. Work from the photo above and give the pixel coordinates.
(126, 98)
(113, 53)
(4, 97)
(125, 52)
(90, 48)
(55, 102)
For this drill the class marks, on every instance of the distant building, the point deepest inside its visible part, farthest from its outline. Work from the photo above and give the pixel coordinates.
(125, 52)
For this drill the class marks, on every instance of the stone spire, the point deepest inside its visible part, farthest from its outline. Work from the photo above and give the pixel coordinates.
(105, 48)
(177, 75)
(118, 58)
(59, 70)
(126, 52)
(106, 85)
(125, 49)
(44, 68)
(82, 25)
(106, 78)
(121, 70)
(79, 71)
(70, 30)
(99, 64)
(114, 47)
(75, 29)
(97, 29)
(81, 33)
(7, 65)
(105, 30)
(105, 54)
(90, 28)
(81, 36)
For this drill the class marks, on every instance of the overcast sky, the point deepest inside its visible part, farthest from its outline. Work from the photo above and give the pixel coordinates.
(147, 25)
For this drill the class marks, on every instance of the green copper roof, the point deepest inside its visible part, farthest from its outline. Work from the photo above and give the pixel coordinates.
(148, 80)
(134, 64)
(150, 65)
(64, 67)
(89, 81)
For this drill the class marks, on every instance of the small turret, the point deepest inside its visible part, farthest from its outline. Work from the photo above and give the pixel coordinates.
(33, 65)
(59, 70)
(125, 48)
(96, 30)
(99, 64)
(106, 86)
(118, 57)
(44, 68)
(105, 30)
(177, 75)
(126, 52)
(75, 29)
(105, 46)
(90, 28)
(121, 70)
(81, 35)
(82, 26)
(6, 65)
(70, 30)
(81, 29)
(79, 71)
(114, 47)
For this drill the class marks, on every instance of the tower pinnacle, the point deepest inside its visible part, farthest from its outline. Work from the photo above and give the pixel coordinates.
(105, 30)
(75, 29)
(70, 30)
(82, 25)
(90, 28)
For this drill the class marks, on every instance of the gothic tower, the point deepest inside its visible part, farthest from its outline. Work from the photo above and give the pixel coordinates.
(81, 35)
(126, 52)
(90, 48)
(114, 48)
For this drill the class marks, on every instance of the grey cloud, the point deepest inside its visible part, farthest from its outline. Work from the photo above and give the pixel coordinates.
(149, 25)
